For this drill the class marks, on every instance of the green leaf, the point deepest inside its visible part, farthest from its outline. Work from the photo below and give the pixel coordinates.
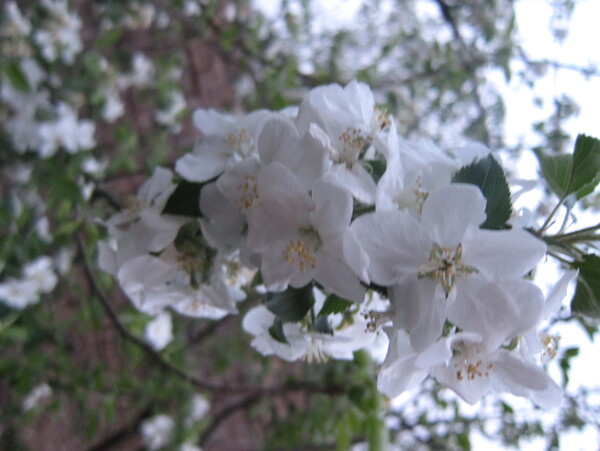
(321, 325)
(578, 173)
(586, 166)
(565, 362)
(463, 441)
(110, 38)
(378, 168)
(292, 305)
(334, 304)
(587, 294)
(377, 433)
(185, 200)
(16, 76)
(276, 331)
(556, 171)
(256, 280)
(488, 175)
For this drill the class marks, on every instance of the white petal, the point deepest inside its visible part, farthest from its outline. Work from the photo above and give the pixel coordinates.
(449, 211)
(336, 276)
(513, 374)
(395, 243)
(208, 160)
(257, 320)
(357, 180)
(211, 122)
(420, 309)
(485, 308)
(550, 398)
(355, 256)
(558, 293)
(333, 210)
(506, 254)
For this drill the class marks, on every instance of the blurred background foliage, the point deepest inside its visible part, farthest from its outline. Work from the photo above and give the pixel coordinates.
(133, 71)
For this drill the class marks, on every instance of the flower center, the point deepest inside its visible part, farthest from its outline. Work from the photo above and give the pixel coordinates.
(414, 198)
(469, 364)
(444, 265)
(381, 119)
(550, 343)
(354, 144)
(248, 190)
(194, 256)
(242, 142)
(302, 251)
(315, 352)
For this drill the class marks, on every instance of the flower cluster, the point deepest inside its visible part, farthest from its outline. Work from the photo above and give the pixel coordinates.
(347, 230)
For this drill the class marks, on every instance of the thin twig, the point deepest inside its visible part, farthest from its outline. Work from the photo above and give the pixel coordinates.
(127, 335)
(122, 434)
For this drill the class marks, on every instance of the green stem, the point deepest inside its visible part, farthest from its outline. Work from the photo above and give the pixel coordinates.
(560, 259)
(9, 320)
(577, 232)
(551, 216)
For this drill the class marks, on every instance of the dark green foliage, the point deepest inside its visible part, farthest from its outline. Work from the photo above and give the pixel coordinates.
(587, 294)
(185, 200)
(291, 305)
(576, 173)
(488, 175)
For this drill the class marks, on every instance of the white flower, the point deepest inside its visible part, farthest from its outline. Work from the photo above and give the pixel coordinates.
(113, 106)
(36, 396)
(18, 23)
(170, 115)
(413, 169)
(142, 74)
(186, 446)
(67, 132)
(257, 322)
(199, 408)
(157, 431)
(227, 140)
(159, 331)
(470, 370)
(60, 36)
(446, 244)
(142, 228)
(40, 272)
(19, 294)
(353, 124)
(462, 363)
(299, 235)
(279, 142)
(185, 282)
(312, 346)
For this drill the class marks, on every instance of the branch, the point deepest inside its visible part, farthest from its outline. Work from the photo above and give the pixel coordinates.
(244, 403)
(467, 62)
(127, 335)
(170, 367)
(118, 436)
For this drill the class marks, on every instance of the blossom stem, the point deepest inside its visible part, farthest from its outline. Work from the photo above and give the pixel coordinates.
(548, 220)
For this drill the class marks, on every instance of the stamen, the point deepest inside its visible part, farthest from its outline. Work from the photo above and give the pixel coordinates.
(298, 252)
(444, 265)
(468, 363)
(381, 118)
(315, 353)
(550, 343)
(249, 193)
(354, 144)
(241, 141)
